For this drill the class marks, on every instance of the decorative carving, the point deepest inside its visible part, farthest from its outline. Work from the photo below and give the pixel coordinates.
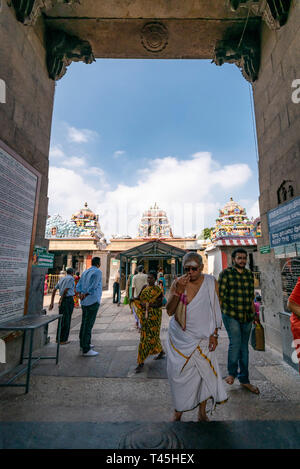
(62, 49)
(149, 436)
(154, 36)
(246, 55)
(274, 12)
(27, 11)
(285, 191)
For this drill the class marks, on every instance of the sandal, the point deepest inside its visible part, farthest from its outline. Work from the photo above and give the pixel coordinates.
(160, 356)
(139, 368)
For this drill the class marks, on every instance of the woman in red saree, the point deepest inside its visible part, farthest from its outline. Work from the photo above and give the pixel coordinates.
(294, 307)
(149, 312)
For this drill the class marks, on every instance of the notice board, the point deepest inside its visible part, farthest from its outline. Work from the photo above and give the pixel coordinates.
(19, 194)
(284, 223)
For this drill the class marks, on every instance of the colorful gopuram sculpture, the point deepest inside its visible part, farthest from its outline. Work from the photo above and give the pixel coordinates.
(232, 222)
(154, 224)
(83, 224)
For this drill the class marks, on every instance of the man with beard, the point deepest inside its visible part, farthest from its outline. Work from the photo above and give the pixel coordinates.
(236, 290)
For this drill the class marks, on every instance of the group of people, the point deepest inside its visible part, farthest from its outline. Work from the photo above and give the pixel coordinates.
(192, 365)
(89, 290)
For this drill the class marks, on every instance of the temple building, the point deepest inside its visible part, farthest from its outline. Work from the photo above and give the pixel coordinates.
(74, 242)
(233, 228)
(155, 224)
(154, 247)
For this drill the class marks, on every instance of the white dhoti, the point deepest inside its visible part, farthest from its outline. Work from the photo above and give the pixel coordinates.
(193, 370)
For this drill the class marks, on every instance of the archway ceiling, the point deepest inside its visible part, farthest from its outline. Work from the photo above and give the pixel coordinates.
(114, 27)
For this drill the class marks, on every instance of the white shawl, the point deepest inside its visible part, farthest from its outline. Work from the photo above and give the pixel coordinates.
(193, 370)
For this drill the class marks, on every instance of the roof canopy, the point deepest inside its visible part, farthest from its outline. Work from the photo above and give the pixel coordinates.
(155, 248)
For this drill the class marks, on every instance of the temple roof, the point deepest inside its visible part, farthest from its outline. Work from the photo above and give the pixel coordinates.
(154, 224)
(232, 222)
(85, 213)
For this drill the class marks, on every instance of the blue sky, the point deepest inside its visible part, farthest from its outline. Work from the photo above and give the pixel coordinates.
(128, 133)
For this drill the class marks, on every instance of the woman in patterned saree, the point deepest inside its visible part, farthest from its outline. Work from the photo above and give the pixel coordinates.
(150, 312)
(76, 296)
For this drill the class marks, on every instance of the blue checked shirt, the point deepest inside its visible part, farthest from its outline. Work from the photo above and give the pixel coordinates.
(90, 282)
(66, 282)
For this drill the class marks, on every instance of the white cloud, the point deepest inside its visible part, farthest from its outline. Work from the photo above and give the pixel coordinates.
(74, 162)
(253, 210)
(188, 190)
(68, 191)
(119, 153)
(81, 135)
(56, 152)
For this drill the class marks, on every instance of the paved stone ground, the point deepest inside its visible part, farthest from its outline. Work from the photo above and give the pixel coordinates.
(105, 389)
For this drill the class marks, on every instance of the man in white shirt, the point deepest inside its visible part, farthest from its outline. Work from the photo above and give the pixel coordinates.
(138, 282)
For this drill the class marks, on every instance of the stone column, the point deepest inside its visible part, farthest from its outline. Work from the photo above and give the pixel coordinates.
(173, 268)
(133, 265)
(69, 260)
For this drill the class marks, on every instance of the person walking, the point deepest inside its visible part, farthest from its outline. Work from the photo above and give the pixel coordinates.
(140, 279)
(116, 289)
(162, 283)
(66, 287)
(90, 289)
(149, 306)
(129, 288)
(236, 289)
(192, 366)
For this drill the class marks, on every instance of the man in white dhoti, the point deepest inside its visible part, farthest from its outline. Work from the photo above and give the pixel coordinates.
(192, 366)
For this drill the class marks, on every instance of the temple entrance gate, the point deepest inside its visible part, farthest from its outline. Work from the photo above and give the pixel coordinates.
(40, 40)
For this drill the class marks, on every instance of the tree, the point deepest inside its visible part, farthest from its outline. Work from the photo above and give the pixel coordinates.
(206, 233)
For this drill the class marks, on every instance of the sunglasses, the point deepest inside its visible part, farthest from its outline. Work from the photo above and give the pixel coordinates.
(187, 269)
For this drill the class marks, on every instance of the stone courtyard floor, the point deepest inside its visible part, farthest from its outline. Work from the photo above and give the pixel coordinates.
(104, 394)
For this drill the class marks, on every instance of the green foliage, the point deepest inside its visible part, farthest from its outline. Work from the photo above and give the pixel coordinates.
(206, 233)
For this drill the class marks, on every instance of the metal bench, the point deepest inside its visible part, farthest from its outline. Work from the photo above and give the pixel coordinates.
(29, 324)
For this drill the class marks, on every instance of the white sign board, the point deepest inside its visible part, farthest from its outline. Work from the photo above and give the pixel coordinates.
(18, 188)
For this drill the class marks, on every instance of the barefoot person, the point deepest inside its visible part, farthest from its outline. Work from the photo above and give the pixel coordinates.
(192, 366)
(149, 311)
(236, 288)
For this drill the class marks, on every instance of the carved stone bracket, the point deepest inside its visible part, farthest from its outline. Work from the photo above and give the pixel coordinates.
(273, 12)
(27, 11)
(246, 56)
(285, 191)
(62, 49)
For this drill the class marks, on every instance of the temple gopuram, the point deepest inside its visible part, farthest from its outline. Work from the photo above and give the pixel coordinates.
(155, 224)
(233, 228)
(155, 247)
(74, 242)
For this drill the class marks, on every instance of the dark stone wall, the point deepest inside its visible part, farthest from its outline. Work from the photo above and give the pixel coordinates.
(278, 124)
(27, 114)
(25, 127)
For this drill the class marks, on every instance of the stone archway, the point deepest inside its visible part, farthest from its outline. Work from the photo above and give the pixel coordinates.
(41, 38)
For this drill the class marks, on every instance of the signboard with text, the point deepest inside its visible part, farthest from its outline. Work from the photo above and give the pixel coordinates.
(284, 224)
(19, 189)
(42, 258)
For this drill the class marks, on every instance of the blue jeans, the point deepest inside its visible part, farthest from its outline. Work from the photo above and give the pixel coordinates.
(238, 352)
